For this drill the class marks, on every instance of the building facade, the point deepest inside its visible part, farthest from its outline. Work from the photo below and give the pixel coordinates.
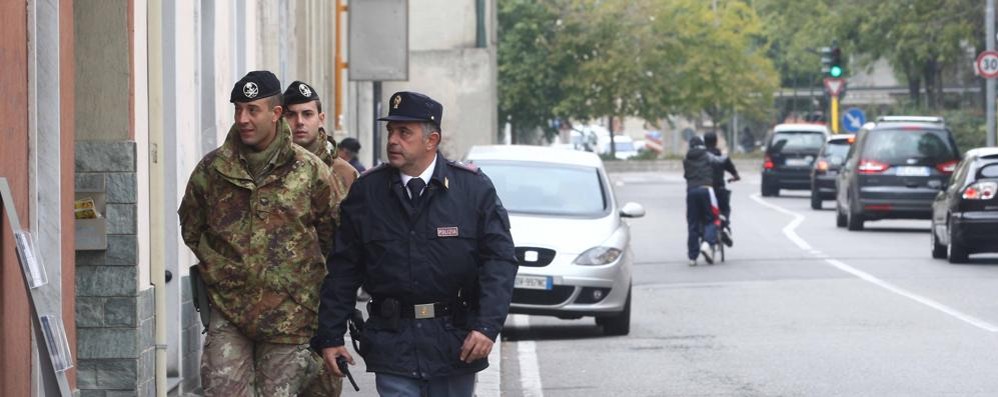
(123, 98)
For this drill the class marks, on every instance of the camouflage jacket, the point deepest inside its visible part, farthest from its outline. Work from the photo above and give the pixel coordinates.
(261, 246)
(327, 153)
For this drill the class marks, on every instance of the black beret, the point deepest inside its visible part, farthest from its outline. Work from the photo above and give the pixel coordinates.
(299, 92)
(413, 106)
(255, 85)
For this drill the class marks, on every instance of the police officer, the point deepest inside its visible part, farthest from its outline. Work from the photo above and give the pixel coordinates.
(349, 149)
(698, 170)
(258, 214)
(429, 239)
(303, 112)
(720, 189)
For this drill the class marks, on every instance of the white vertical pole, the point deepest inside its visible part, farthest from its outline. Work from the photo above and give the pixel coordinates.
(989, 27)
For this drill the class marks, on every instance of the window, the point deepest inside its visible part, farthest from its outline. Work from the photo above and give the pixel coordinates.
(536, 188)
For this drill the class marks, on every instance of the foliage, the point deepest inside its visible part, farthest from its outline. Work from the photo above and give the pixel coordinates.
(588, 59)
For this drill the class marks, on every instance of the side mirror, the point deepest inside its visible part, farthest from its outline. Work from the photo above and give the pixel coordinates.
(632, 210)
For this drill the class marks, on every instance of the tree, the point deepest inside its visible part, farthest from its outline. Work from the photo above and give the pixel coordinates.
(529, 81)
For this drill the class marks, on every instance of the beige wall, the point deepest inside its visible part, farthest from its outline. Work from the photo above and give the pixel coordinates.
(101, 55)
(463, 82)
(441, 24)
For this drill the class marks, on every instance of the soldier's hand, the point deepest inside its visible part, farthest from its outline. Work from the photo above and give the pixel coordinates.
(329, 356)
(476, 346)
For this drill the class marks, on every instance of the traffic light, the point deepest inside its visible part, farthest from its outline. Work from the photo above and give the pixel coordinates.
(826, 59)
(835, 63)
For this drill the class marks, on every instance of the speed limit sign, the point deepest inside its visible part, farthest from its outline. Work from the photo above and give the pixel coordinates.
(987, 64)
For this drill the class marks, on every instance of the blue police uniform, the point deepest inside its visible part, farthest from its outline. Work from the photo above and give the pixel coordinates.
(448, 258)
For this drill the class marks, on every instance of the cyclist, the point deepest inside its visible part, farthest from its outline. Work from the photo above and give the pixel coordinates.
(698, 170)
(720, 190)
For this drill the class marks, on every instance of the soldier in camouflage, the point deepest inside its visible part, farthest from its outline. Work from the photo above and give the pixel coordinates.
(303, 112)
(259, 213)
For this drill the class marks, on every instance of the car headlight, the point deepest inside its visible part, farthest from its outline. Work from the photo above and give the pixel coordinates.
(597, 256)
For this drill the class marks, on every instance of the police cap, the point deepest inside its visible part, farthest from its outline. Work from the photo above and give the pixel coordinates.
(255, 85)
(413, 106)
(299, 92)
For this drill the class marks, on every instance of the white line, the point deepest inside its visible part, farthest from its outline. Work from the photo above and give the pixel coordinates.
(789, 229)
(526, 351)
(920, 299)
(791, 233)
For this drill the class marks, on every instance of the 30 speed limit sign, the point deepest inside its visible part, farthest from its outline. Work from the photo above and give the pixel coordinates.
(987, 64)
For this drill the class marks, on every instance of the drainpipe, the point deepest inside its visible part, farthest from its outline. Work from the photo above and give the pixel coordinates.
(157, 271)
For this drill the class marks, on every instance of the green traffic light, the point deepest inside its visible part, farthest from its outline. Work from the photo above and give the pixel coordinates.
(835, 71)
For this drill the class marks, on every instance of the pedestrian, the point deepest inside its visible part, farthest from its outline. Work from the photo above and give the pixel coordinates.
(720, 188)
(429, 239)
(698, 170)
(258, 213)
(349, 149)
(303, 112)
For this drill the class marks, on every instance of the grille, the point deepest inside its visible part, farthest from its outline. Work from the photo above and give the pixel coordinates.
(558, 294)
(544, 256)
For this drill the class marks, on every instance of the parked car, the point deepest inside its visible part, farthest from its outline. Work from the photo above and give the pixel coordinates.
(894, 171)
(572, 245)
(830, 159)
(790, 152)
(965, 214)
(624, 147)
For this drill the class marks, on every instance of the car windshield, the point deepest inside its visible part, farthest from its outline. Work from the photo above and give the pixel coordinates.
(906, 146)
(797, 141)
(835, 152)
(536, 188)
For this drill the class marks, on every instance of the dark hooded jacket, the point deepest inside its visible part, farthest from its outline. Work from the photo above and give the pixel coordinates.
(699, 164)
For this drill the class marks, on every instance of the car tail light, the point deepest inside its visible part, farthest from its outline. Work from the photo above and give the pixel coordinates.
(981, 191)
(822, 165)
(767, 162)
(871, 167)
(947, 167)
(878, 207)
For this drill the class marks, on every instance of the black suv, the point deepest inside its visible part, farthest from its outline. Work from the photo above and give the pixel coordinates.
(790, 152)
(894, 171)
(830, 160)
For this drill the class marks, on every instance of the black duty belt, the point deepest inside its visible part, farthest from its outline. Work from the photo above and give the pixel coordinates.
(408, 310)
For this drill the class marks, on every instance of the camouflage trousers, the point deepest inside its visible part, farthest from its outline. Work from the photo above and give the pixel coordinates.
(233, 365)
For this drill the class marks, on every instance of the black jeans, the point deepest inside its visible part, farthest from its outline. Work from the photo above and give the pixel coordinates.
(699, 216)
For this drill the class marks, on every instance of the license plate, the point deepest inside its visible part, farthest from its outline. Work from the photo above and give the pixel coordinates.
(532, 282)
(798, 162)
(912, 171)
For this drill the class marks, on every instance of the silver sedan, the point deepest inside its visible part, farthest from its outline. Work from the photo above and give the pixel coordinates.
(573, 248)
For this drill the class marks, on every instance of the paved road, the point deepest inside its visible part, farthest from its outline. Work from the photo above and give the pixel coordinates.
(801, 308)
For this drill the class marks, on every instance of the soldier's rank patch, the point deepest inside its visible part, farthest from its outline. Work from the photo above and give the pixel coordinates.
(447, 231)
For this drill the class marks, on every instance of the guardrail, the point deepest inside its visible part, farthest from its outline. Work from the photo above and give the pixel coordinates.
(744, 166)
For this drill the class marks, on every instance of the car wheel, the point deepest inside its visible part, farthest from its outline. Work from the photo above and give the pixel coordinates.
(620, 323)
(854, 221)
(765, 191)
(840, 217)
(938, 250)
(815, 199)
(957, 252)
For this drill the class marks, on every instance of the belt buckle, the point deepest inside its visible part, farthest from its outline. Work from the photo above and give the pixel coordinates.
(424, 311)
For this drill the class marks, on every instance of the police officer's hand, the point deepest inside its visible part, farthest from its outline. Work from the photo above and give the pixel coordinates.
(330, 354)
(476, 346)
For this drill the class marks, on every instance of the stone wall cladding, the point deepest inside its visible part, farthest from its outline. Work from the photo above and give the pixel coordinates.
(114, 319)
(191, 339)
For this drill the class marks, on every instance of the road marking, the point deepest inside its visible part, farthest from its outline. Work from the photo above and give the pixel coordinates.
(791, 234)
(789, 229)
(526, 351)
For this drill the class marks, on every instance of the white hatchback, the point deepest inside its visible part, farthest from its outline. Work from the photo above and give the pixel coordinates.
(573, 248)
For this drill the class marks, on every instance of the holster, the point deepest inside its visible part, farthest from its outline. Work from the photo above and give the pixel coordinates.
(356, 326)
(199, 295)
